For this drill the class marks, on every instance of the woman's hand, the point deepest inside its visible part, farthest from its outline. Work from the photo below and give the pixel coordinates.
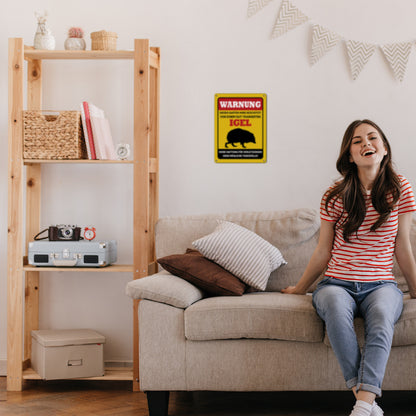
(318, 261)
(293, 290)
(404, 252)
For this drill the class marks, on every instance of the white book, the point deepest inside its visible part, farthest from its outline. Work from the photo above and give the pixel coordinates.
(95, 113)
(103, 140)
(110, 151)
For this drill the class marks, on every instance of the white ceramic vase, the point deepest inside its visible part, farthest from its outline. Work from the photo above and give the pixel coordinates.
(43, 37)
(44, 41)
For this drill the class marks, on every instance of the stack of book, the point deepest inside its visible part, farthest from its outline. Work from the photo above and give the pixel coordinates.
(97, 132)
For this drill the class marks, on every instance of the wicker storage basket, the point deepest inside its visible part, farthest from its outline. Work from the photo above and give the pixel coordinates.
(53, 136)
(103, 41)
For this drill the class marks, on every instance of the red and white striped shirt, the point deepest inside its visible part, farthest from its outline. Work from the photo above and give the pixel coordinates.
(369, 254)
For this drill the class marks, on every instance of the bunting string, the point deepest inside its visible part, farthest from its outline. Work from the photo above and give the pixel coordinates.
(323, 40)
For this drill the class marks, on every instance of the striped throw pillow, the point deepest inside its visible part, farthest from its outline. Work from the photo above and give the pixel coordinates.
(242, 252)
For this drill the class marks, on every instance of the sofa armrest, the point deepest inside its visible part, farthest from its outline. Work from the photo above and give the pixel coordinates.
(162, 347)
(166, 288)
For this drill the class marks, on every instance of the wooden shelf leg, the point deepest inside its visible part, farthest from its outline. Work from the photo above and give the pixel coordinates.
(136, 382)
(140, 180)
(15, 219)
(146, 180)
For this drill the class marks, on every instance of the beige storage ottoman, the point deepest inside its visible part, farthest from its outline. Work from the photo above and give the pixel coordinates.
(59, 354)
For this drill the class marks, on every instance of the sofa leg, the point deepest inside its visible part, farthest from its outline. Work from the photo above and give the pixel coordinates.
(158, 403)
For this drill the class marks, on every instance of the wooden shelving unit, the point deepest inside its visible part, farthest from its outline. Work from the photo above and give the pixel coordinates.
(23, 280)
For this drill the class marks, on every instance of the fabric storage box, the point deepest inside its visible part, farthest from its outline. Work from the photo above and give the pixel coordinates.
(60, 354)
(53, 136)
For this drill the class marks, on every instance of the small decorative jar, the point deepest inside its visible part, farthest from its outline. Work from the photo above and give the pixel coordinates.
(103, 41)
(75, 40)
(43, 37)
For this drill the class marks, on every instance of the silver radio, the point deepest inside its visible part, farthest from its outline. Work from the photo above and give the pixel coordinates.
(72, 253)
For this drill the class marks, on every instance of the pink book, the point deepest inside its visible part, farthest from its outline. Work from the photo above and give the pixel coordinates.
(84, 129)
(89, 130)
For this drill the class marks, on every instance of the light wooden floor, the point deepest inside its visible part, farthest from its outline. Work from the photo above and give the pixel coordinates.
(81, 398)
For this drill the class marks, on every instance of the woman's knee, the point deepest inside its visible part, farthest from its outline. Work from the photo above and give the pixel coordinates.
(334, 301)
(383, 306)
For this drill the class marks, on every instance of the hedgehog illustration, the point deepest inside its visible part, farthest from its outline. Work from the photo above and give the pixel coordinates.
(239, 136)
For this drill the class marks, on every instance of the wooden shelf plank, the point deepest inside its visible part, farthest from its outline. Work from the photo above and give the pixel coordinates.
(85, 161)
(37, 54)
(153, 162)
(31, 53)
(112, 269)
(111, 373)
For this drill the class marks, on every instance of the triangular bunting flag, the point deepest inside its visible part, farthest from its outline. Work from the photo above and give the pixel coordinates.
(255, 5)
(323, 40)
(359, 54)
(289, 17)
(397, 55)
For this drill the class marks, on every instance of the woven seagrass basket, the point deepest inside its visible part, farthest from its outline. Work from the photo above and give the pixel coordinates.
(48, 136)
(103, 41)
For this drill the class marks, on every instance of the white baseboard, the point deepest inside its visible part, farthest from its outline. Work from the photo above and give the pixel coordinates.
(3, 367)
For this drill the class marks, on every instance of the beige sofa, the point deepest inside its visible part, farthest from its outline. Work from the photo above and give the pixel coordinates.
(265, 341)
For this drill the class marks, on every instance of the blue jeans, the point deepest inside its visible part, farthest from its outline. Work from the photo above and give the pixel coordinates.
(380, 303)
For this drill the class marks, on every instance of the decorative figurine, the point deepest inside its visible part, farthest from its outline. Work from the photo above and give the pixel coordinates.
(43, 37)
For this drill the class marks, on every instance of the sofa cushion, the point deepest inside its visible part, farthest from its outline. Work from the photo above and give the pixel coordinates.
(295, 232)
(255, 315)
(203, 273)
(163, 287)
(404, 331)
(242, 252)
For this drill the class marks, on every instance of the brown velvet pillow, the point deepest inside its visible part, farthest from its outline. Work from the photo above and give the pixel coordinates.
(203, 273)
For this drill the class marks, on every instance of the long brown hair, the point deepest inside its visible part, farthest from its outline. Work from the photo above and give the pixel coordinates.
(384, 194)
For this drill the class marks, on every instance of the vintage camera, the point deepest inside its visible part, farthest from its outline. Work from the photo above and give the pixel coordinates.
(64, 232)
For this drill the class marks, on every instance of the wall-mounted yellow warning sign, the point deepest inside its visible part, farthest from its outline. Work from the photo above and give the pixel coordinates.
(240, 128)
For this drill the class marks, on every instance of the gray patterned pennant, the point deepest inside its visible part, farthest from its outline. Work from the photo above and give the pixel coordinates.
(359, 54)
(255, 5)
(323, 40)
(289, 17)
(397, 55)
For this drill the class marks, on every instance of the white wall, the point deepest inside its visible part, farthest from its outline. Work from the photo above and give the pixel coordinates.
(208, 47)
